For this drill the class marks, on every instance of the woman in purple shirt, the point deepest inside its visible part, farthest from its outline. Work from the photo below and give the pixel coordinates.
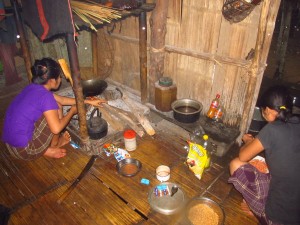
(34, 120)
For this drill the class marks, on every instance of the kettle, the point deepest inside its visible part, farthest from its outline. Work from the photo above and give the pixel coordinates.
(97, 127)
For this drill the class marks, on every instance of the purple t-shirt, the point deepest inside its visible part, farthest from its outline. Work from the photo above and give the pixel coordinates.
(24, 111)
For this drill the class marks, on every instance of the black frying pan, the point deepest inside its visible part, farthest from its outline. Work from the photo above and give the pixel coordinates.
(93, 87)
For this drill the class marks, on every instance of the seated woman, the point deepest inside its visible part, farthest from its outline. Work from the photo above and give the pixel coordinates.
(274, 197)
(34, 120)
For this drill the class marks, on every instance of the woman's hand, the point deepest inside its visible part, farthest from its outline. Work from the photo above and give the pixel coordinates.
(95, 101)
(73, 109)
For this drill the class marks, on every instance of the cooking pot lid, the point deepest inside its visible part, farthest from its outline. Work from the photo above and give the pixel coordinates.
(166, 204)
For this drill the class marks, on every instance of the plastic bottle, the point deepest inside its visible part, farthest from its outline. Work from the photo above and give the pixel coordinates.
(197, 134)
(130, 140)
(218, 114)
(206, 146)
(213, 107)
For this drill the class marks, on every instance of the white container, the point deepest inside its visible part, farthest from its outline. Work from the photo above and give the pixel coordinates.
(130, 140)
(163, 173)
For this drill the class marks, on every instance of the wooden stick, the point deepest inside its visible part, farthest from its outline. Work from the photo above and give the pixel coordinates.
(140, 116)
(115, 123)
(126, 119)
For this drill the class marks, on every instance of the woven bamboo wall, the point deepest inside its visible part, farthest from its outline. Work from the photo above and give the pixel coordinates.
(205, 54)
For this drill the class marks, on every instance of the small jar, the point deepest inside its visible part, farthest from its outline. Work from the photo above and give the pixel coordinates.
(130, 140)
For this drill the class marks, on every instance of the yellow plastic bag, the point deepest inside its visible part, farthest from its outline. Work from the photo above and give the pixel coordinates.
(197, 159)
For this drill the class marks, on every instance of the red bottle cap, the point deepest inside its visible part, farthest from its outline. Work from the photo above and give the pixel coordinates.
(218, 96)
(129, 134)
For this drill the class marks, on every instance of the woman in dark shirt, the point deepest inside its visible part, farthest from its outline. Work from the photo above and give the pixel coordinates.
(273, 197)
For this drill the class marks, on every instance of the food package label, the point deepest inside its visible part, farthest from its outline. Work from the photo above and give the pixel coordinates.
(121, 154)
(197, 159)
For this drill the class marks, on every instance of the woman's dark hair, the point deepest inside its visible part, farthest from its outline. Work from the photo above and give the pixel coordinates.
(277, 98)
(44, 70)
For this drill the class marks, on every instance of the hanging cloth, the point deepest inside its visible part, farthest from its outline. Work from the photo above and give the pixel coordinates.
(48, 18)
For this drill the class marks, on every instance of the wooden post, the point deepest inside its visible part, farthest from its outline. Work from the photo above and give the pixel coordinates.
(74, 64)
(95, 53)
(264, 36)
(143, 56)
(23, 42)
(158, 26)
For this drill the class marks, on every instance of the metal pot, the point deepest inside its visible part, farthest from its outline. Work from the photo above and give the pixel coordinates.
(258, 122)
(93, 87)
(186, 110)
(97, 127)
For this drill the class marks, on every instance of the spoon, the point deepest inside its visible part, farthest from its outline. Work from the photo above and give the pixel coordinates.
(174, 190)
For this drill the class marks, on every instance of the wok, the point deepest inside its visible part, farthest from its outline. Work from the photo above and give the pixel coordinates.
(93, 87)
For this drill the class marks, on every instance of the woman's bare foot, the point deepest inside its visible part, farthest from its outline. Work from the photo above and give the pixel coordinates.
(245, 208)
(64, 138)
(55, 152)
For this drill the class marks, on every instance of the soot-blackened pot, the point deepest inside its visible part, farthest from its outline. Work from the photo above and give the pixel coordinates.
(186, 110)
(97, 127)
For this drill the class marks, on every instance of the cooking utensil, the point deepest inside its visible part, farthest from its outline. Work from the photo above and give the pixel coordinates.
(174, 190)
(93, 87)
(166, 204)
(129, 167)
(97, 127)
(186, 110)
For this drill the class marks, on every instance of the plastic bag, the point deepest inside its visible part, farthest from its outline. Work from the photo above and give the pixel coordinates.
(197, 159)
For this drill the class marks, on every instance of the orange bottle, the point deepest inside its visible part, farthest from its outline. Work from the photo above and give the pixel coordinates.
(213, 107)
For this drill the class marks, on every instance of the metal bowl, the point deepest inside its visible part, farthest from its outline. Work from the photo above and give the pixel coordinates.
(167, 204)
(186, 110)
(129, 167)
(200, 208)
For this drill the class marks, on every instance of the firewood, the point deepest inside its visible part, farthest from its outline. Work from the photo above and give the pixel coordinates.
(126, 119)
(143, 120)
(113, 121)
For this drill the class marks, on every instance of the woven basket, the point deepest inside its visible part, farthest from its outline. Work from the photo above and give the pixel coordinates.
(237, 10)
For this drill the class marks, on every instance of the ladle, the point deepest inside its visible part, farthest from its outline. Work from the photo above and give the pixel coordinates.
(174, 190)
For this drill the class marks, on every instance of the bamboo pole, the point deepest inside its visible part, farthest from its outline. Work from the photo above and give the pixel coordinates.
(158, 24)
(95, 53)
(192, 53)
(74, 64)
(143, 55)
(23, 42)
(268, 13)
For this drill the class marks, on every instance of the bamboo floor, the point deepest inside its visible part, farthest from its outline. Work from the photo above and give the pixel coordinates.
(31, 189)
